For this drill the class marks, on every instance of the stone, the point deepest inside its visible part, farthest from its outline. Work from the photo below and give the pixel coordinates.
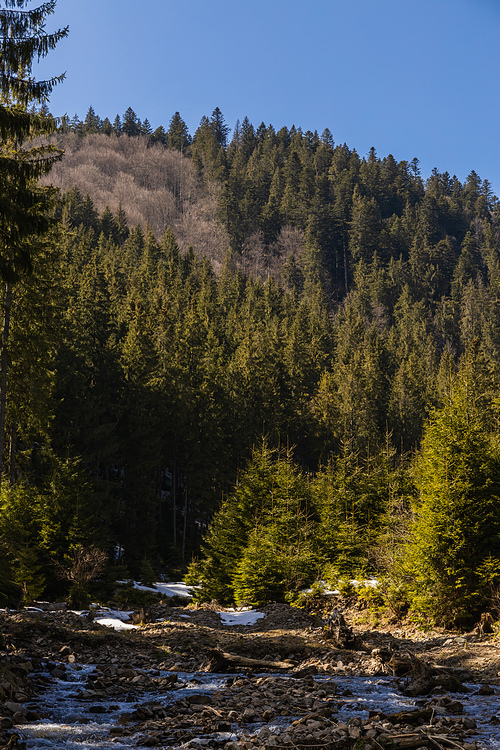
(58, 673)
(204, 700)
(468, 722)
(486, 690)
(19, 718)
(14, 708)
(97, 710)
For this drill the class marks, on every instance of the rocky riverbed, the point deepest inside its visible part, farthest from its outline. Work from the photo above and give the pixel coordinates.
(67, 681)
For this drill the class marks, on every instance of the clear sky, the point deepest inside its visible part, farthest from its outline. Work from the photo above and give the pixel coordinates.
(415, 78)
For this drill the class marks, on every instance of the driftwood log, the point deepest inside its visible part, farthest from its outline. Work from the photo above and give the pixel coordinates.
(410, 741)
(143, 615)
(421, 677)
(486, 624)
(425, 677)
(221, 661)
(338, 631)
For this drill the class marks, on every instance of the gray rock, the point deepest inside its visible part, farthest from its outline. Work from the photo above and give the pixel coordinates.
(15, 708)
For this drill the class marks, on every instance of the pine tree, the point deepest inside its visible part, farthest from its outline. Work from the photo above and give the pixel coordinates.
(455, 549)
(352, 496)
(20, 536)
(106, 127)
(219, 127)
(177, 136)
(92, 123)
(281, 555)
(261, 542)
(117, 125)
(25, 205)
(130, 124)
(122, 230)
(146, 128)
(22, 39)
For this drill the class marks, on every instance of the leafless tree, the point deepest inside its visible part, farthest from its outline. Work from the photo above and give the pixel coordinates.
(84, 565)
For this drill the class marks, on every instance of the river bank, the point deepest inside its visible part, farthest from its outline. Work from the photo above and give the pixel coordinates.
(154, 685)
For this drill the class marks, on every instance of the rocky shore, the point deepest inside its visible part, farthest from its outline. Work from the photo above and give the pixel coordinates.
(284, 684)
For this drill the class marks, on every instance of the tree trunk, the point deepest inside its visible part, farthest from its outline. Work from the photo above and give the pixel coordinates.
(185, 522)
(345, 267)
(12, 454)
(174, 501)
(4, 367)
(221, 661)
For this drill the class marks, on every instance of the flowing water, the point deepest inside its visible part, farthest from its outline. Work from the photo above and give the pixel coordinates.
(71, 722)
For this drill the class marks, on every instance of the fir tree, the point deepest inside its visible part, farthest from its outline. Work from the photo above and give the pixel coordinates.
(177, 136)
(25, 205)
(455, 550)
(92, 123)
(130, 124)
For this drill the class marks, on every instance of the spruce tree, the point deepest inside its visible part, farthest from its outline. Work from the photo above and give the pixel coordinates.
(455, 550)
(131, 124)
(92, 122)
(261, 543)
(25, 206)
(177, 136)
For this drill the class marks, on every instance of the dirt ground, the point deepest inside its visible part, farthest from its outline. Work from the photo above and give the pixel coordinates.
(181, 639)
(294, 641)
(299, 636)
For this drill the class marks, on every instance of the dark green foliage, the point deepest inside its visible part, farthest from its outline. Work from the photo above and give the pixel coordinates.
(21, 534)
(22, 40)
(177, 136)
(350, 287)
(363, 504)
(182, 370)
(454, 556)
(261, 545)
(130, 124)
(41, 520)
(92, 122)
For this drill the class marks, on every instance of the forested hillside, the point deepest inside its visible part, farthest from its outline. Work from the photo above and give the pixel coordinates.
(263, 328)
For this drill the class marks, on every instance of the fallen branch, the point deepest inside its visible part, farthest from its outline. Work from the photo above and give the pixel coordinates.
(221, 661)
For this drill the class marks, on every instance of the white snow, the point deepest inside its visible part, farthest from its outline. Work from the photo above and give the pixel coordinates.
(167, 589)
(115, 614)
(115, 623)
(247, 617)
(115, 618)
(111, 618)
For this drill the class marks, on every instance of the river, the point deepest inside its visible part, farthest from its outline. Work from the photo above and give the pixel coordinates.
(72, 721)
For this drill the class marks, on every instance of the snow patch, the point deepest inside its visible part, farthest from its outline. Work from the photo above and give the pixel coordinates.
(110, 618)
(247, 617)
(166, 589)
(115, 623)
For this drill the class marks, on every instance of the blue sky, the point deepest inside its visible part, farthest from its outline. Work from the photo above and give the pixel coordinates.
(415, 78)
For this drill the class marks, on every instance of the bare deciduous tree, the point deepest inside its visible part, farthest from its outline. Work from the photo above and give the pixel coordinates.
(84, 565)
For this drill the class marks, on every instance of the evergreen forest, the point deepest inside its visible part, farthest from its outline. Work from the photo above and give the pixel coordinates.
(258, 354)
